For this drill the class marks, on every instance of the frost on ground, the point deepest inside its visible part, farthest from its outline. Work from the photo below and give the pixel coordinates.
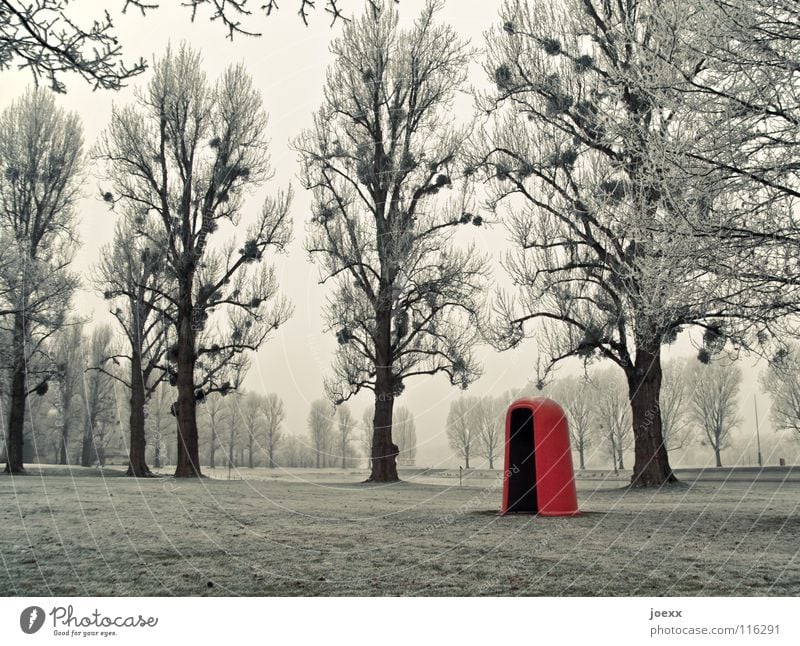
(317, 533)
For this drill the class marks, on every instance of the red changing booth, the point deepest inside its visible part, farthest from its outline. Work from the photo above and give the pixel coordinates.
(538, 478)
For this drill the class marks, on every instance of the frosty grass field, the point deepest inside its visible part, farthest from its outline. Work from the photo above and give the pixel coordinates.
(319, 533)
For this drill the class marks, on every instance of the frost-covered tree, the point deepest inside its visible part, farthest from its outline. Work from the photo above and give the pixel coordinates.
(381, 159)
(160, 424)
(345, 424)
(463, 427)
(612, 414)
(50, 40)
(674, 400)
(274, 414)
(181, 159)
(41, 162)
(320, 430)
(715, 403)
(296, 453)
(97, 393)
(215, 411)
(233, 430)
(67, 357)
(590, 98)
(744, 96)
(781, 381)
(489, 416)
(132, 275)
(404, 435)
(250, 416)
(367, 432)
(742, 109)
(577, 396)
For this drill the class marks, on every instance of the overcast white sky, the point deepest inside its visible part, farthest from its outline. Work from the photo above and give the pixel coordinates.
(288, 64)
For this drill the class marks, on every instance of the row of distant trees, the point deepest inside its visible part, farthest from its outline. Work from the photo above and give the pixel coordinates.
(337, 439)
(644, 165)
(699, 402)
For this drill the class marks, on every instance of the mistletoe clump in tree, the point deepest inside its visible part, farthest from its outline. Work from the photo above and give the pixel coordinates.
(181, 159)
(379, 159)
(589, 111)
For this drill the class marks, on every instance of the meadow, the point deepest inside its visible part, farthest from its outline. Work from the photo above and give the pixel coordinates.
(75, 531)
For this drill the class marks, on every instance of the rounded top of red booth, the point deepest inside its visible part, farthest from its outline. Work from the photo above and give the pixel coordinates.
(539, 403)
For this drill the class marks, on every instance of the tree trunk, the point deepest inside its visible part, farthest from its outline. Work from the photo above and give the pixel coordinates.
(137, 464)
(271, 456)
(491, 461)
(16, 422)
(213, 452)
(157, 455)
(19, 394)
(466, 458)
(651, 466)
(582, 466)
(384, 455)
(384, 464)
(88, 441)
(188, 459)
(64, 441)
(621, 459)
(344, 458)
(717, 456)
(250, 454)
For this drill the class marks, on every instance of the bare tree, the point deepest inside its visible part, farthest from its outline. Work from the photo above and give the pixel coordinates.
(675, 419)
(296, 453)
(490, 417)
(159, 421)
(215, 412)
(576, 395)
(232, 421)
(715, 403)
(42, 36)
(131, 274)
(45, 38)
(612, 414)
(380, 153)
(183, 157)
(68, 376)
(745, 104)
(404, 435)
(236, 16)
(98, 400)
(590, 97)
(274, 415)
(252, 419)
(462, 431)
(41, 157)
(367, 433)
(781, 380)
(320, 427)
(345, 425)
